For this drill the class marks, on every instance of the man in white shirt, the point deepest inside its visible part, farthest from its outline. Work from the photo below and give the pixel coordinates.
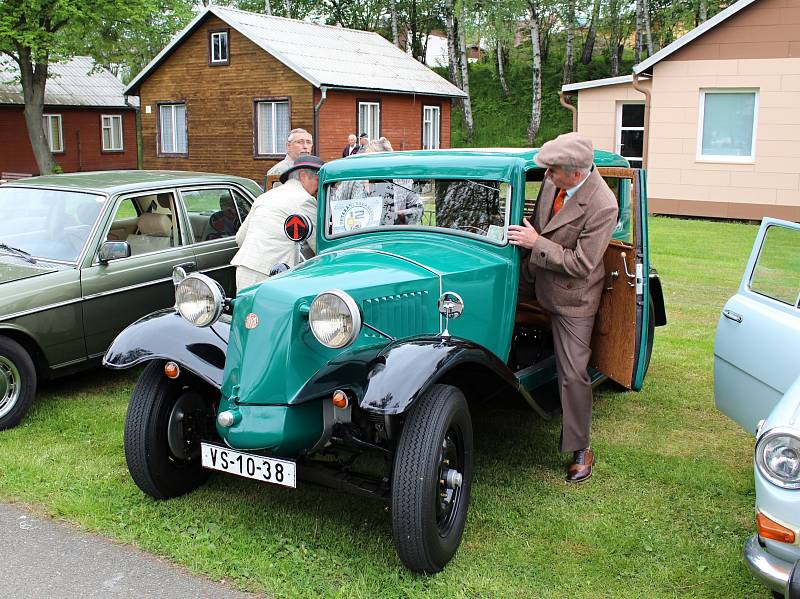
(352, 146)
(299, 142)
(261, 239)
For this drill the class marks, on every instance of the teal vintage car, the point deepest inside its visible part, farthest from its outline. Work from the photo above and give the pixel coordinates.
(377, 345)
(83, 255)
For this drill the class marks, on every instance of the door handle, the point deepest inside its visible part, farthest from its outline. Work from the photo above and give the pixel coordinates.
(730, 314)
(628, 274)
(187, 266)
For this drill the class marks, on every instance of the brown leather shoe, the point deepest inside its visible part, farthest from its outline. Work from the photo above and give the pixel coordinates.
(581, 467)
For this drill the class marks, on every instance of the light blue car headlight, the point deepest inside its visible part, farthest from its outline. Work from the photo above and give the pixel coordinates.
(778, 457)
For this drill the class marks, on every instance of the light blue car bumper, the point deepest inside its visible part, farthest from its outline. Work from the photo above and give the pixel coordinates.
(776, 574)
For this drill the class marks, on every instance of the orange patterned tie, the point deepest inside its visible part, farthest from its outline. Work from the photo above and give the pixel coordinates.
(558, 204)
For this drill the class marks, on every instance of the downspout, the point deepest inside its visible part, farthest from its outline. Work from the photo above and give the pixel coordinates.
(563, 100)
(324, 94)
(137, 124)
(646, 140)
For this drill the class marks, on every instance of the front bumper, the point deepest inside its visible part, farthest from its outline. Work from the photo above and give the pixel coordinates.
(771, 571)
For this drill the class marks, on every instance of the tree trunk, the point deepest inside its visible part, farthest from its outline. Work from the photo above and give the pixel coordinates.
(393, 10)
(703, 11)
(462, 36)
(568, 49)
(452, 48)
(614, 34)
(288, 5)
(34, 79)
(501, 72)
(591, 35)
(536, 108)
(637, 49)
(267, 8)
(647, 31)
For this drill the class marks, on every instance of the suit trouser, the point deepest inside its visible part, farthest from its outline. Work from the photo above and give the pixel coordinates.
(245, 277)
(571, 340)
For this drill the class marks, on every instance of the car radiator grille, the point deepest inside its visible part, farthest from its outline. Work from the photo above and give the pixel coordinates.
(400, 315)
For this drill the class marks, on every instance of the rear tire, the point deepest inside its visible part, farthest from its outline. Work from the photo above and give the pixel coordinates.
(17, 383)
(428, 515)
(163, 429)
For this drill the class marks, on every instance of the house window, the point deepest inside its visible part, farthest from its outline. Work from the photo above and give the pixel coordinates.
(630, 132)
(369, 119)
(172, 119)
(272, 126)
(218, 44)
(111, 125)
(51, 123)
(727, 125)
(431, 123)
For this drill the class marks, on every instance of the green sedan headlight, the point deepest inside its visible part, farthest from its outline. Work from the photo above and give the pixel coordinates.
(778, 457)
(335, 319)
(199, 300)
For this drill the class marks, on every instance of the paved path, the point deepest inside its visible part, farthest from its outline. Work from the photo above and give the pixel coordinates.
(45, 559)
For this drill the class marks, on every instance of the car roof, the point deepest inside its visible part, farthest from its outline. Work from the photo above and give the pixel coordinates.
(111, 182)
(481, 163)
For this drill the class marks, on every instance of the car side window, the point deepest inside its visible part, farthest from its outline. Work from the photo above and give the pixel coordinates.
(147, 223)
(214, 213)
(777, 271)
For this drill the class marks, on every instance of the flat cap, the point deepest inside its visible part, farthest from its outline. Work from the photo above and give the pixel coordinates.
(364, 135)
(304, 161)
(570, 149)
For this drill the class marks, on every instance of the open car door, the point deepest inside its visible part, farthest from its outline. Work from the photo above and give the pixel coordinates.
(623, 329)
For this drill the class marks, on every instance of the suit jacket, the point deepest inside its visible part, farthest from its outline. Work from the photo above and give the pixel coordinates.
(348, 152)
(261, 239)
(565, 265)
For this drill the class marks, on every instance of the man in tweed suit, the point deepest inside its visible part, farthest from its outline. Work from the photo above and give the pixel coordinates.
(562, 264)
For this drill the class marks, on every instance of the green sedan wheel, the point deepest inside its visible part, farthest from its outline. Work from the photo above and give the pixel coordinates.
(17, 382)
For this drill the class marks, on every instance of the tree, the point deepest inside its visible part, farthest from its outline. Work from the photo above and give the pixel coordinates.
(462, 40)
(568, 43)
(591, 35)
(536, 108)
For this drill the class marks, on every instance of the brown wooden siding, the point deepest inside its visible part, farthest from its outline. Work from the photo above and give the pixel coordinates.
(82, 134)
(765, 29)
(401, 120)
(219, 103)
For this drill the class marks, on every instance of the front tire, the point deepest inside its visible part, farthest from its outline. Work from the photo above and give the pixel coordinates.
(431, 480)
(17, 383)
(163, 429)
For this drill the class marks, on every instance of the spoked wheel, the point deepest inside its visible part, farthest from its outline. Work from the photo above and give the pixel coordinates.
(163, 428)
(431, 480)
(17, 382)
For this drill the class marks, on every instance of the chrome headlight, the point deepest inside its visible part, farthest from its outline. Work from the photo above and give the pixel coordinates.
(778, 457)
(199, 299)
(335, 319)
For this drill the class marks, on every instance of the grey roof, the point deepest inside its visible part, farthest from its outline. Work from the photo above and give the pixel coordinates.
(323, 55)
(72, 83)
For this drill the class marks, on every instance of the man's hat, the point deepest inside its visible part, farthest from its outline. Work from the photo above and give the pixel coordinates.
(304, 161)
(570, 149)
(364, 135)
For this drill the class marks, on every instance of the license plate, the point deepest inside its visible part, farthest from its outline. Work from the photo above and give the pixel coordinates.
(248, 465)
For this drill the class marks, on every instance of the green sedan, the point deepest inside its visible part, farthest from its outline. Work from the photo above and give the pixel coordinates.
(83, 255)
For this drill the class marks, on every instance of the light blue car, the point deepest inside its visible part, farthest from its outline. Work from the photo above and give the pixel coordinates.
(757, 384)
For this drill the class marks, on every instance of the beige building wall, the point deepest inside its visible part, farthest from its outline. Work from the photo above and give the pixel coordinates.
(597, 111)
(680, 183)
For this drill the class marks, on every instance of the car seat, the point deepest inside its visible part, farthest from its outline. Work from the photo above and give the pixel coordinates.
(153, 233)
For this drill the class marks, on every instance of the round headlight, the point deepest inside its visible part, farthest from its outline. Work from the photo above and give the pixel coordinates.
(199, 299)
(335, 319)
(778, 457)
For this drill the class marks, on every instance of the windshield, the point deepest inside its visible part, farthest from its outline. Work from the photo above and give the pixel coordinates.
(469, 206)
(47, 224)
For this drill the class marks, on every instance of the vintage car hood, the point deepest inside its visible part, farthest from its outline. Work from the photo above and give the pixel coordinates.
(270, 363)
(14, 269)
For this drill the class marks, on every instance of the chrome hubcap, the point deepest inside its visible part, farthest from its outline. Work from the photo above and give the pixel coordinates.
(9, 385)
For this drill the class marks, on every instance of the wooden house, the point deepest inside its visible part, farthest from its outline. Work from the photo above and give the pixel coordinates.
(223, 95)
(89, 123)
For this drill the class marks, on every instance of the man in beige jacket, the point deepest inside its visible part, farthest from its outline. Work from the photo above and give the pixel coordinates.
(261, 239)
(573, 220)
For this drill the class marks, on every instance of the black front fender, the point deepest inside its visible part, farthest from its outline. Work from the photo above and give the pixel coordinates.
(164, 335)
(389, 379)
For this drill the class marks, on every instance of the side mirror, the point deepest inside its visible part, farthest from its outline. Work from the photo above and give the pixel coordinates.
(113, 250)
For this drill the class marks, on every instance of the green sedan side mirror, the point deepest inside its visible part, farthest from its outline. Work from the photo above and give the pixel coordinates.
(113, 250)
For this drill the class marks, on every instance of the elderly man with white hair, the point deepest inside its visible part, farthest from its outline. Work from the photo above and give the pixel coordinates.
(298, 142)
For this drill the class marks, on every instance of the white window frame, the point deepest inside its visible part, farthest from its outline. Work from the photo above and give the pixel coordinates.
(700, 157)
(175, 151)
(435, 120)
(619, 129)
(112, 123)
(372, 109)
(48, 128)
(220, 59)
(278, 146)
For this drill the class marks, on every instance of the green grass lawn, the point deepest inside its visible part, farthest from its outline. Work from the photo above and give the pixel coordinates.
(665, 515)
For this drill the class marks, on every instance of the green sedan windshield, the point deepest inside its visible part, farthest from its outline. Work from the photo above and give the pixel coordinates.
(474, 207)
(47, 224)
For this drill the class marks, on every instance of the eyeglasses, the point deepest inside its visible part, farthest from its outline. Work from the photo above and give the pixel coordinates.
(302, 142)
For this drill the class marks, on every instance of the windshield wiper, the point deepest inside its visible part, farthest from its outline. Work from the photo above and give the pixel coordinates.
(22, 253)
